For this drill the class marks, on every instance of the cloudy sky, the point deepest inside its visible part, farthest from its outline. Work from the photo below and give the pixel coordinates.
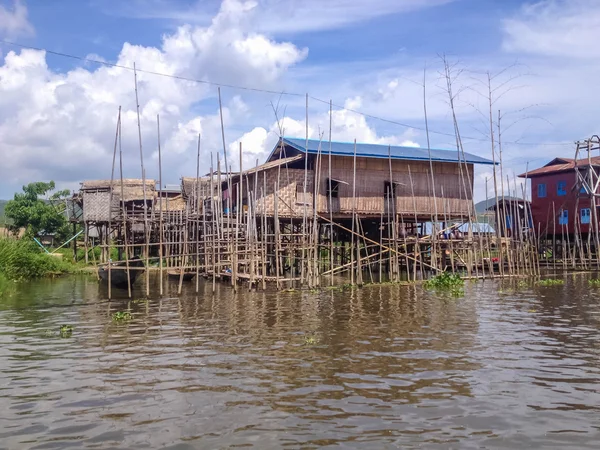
(370, 58)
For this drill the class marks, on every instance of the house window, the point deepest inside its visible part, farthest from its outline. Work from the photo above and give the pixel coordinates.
(389, 189)
(541, 190)
(561, 188)
(585, 215)
(563, 218)
(333, 188)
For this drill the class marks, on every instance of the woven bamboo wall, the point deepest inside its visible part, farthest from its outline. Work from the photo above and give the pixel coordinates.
(96, 205)
(96, 197)
(290, 195)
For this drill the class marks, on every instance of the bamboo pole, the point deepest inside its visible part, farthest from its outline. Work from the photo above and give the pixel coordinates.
(353, 212)
(196, 227)
(124, 213)
(160, 220)
(146, 230)
(435, 208)
(214, 212)
(110, 201)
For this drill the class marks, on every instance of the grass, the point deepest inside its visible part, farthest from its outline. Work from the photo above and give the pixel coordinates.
(22, 260)
(550, 282)
(5, 285)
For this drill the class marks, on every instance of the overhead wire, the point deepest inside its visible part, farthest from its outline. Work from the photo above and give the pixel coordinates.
(268, 91)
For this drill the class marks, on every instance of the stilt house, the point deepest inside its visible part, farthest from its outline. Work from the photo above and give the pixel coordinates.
(367, 179)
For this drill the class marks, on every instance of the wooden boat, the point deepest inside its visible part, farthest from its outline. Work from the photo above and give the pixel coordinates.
(118, 272)
(175, 274)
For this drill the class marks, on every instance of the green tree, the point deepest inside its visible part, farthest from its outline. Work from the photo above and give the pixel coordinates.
(36, 214)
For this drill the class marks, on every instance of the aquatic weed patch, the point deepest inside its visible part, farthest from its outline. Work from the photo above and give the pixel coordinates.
(311, 340)
(445, 281)
(121, 316)
(65, 331)
(550, 282)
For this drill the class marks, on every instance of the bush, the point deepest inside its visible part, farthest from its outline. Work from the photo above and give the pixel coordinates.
(4, 284)
(24, 260)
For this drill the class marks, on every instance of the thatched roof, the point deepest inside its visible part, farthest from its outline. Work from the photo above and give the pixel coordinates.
(105, 184)
(133, 188)
(171, 204)
(188, 185)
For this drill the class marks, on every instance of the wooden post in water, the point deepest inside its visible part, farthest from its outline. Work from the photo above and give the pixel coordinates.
(146, 229)
(124, 213)
(110, 211)
(196, 225)
(160, 206)
(353, 214)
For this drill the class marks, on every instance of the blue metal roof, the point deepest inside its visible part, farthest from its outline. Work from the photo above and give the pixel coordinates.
(381, 151)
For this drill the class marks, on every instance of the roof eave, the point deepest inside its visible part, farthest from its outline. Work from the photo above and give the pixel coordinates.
(405, 158)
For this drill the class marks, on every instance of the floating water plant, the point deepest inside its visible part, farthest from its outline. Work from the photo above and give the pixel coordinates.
(310, 340)
(121, 316)
(445, 281)
(550, 282)
(66, 331)
(457, 292)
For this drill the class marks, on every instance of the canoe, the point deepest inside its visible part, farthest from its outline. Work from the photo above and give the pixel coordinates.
(176, 274)
(118, 272)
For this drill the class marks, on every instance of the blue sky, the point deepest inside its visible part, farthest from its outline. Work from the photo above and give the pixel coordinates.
(57, 114)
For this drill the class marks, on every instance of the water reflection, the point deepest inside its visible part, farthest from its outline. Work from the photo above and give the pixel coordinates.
(506, 366)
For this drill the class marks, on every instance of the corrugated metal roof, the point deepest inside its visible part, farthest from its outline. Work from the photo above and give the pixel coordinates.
(380, 151)
(559, 165)
(477, 227)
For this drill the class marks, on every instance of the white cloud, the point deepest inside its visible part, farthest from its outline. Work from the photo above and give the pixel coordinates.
(276, 16)
(61, 126)
(345, 127)
(14, 21)
(565, 28)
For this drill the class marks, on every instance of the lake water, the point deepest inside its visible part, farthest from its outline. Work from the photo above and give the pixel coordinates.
(505, 366)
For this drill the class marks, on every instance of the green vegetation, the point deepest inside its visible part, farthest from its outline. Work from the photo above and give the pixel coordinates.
(36, 215)
(310, 340)
(121, 316)
(550, 282)
(3, 218)
(5, 284)
(66, 331)
(594, 283)
(22, 259)
(445, 281)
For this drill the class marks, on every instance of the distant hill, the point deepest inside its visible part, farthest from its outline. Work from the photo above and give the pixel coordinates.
(2, 217)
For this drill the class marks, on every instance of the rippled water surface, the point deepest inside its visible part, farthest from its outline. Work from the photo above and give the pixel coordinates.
(506, 366)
